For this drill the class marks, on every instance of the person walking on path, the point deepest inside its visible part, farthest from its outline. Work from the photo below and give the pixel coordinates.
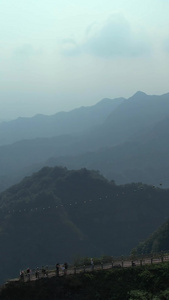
(21, 275)
(28, 271)
(37, 273)
(57, 269)
(65, 268)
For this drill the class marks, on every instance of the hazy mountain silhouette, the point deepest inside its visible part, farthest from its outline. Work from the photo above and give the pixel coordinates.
(144, 159)
(62, 123)
(131, 118)
(129, 146)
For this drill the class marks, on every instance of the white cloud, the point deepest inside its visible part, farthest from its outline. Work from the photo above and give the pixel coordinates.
(62, 54)
(116, 38)
(113, 38)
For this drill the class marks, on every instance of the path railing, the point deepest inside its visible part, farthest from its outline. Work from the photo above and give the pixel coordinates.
(116, 262)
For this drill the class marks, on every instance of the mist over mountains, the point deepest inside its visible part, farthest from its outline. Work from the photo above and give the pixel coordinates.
(125, 139)
(62, 123)
(69, 199)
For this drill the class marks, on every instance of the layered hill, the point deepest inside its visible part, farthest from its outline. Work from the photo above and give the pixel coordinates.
(145, 159)
(62, 123)
(125, 139)
(55, 215)
(131, 119)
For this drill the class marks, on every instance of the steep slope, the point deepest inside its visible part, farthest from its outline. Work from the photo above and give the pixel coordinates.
(57, 214)
(157, 242)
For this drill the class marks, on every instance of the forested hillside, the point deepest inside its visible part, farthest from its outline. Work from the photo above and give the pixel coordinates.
(57, 215)
(140, 283)
(158, 241)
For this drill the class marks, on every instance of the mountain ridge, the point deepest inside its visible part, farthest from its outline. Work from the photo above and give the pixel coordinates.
(135, 124)
(61, 123)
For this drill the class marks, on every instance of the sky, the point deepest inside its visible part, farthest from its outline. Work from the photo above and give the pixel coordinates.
(57, 55)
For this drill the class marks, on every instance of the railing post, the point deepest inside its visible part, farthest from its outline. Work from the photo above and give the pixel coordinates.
(122, 261)
(151, 259)
(133, 263)
(162, 258)
(141, 261)
(142, 258)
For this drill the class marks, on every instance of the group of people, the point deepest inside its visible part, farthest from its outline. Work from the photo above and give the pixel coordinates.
(26, 273)
(64, 268)
(44, 272)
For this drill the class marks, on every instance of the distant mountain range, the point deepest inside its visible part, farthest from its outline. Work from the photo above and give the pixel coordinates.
(63, 123)
(57, 215)
(143, 159)
(125, 139)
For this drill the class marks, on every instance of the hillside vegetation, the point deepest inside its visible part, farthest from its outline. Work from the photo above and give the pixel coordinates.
(158, 241)
(140, 283)
(57, 214)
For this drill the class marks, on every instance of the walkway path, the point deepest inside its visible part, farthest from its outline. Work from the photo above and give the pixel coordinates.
(116, 263)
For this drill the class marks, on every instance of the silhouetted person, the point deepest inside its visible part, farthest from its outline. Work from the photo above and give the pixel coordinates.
(65, 268)
(57, 269)
(43, 271)
(28, 273)
(22, 276)
(37, 273)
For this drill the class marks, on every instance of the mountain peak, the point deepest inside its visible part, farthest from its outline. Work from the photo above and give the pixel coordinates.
(139, 94)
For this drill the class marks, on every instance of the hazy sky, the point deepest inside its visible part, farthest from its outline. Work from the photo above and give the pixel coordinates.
(60, 54)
